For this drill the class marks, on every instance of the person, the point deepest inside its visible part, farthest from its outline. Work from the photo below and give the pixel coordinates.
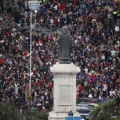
(65, 46)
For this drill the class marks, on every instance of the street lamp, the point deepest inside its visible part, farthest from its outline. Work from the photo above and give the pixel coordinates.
(30, 53)
(30, 81)
(33, 6)
(31, 27)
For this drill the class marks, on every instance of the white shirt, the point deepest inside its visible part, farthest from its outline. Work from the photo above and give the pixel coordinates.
(86, 70)
(55, 7)
(51, 21)
(90, 95)
(104, 87)
(112, 92)
(113, 52)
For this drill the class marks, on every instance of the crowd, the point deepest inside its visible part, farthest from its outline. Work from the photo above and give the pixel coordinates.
(94, 31)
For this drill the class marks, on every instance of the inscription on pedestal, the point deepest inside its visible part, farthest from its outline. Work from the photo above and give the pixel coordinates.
(65, 95)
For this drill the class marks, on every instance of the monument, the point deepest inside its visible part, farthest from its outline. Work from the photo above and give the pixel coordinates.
(65, 46)
(64, 92)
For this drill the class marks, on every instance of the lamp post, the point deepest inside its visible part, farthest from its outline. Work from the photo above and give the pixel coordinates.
(30, 53)
(31, 27)
(33, 6)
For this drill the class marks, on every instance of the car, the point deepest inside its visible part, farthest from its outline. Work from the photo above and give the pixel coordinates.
(90, 100)
(82, 109)
(87, 105)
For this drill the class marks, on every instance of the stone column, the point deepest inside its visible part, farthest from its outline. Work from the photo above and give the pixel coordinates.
(64, 92)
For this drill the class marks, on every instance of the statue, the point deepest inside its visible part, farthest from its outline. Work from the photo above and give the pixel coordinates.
(65, 46)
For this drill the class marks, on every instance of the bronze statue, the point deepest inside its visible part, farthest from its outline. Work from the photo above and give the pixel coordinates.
(65, 46)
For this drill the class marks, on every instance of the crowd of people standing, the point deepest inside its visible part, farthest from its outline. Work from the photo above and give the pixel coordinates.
(94, 30)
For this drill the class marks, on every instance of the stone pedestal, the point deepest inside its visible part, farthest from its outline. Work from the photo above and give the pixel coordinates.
(64, 91)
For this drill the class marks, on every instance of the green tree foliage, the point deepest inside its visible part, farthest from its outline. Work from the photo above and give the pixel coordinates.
(37, 116)
(106, 111)
(8, 112)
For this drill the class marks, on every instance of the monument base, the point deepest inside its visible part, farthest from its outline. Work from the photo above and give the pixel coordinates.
(64, 92)
(59, 116)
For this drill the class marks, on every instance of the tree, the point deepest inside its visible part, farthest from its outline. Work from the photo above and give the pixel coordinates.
(106, 111)
(37, 116)
(8, 112)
